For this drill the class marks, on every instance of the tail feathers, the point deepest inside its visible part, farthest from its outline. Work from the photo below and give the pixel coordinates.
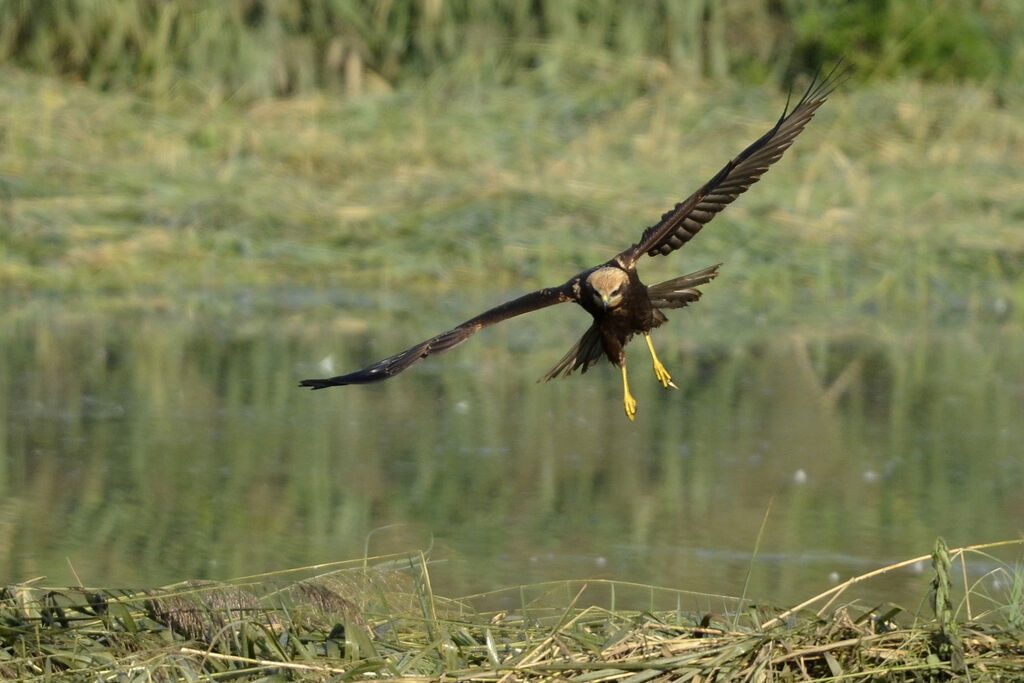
(582, 356)
(681, 291)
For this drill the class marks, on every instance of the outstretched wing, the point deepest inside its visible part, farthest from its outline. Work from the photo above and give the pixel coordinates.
(679, 225)
(389, 367)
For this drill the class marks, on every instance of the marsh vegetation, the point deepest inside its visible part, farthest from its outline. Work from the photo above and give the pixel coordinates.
(179, 246)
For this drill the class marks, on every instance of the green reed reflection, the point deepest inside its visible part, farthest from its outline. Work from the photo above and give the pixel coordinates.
(149, 449)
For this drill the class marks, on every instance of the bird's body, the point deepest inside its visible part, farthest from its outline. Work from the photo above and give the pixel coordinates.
(620, 304)
(619, 322)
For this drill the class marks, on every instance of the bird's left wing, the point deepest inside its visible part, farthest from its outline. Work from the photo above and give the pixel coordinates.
(389, 367)
(678, 226)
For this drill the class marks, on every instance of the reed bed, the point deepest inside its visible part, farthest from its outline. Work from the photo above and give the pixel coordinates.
(379, 618)
(250, 49)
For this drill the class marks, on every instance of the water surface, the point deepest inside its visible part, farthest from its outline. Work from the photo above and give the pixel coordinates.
(139, 450)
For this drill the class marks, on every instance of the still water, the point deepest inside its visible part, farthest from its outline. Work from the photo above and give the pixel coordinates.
(139, 450)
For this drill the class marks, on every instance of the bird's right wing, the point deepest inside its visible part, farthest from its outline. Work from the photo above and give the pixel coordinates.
(446, 341)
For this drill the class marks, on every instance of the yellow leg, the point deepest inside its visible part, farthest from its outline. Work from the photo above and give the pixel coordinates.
(659, 370)
(627, 398)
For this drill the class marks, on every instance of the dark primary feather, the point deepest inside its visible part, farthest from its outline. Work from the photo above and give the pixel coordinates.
(445, 341)
(686, 219)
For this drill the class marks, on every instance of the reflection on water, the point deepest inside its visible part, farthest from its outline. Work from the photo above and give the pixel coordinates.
(144, 451)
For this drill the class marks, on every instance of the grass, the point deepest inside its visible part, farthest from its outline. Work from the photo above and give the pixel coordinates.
(379, 619)
(898, 202)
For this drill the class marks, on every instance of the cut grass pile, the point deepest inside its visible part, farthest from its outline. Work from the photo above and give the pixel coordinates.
(355, 621)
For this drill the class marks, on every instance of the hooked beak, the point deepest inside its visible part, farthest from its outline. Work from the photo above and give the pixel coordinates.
(605, 301)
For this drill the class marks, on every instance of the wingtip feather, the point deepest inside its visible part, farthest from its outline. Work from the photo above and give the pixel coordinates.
(315, 384)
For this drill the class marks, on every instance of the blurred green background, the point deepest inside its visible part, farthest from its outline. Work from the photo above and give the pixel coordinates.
(201, 203)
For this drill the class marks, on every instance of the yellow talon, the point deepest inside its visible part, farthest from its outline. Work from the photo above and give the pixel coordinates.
(659, 370)
(627, 398)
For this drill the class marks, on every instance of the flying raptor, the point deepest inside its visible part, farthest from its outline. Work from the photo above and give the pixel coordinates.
(612, 292)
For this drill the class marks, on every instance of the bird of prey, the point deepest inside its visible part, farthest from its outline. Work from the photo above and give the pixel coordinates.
(611, 292)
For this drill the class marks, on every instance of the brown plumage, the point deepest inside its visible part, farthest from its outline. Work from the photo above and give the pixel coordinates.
(612, 293)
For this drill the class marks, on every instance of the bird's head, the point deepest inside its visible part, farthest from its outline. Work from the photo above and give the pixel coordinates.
(608, 286)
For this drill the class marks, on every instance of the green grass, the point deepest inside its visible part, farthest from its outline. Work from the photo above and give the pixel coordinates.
(898, 202)
(379, 618)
